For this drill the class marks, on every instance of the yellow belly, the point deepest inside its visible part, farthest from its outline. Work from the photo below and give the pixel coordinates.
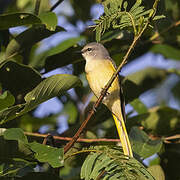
(98, 74)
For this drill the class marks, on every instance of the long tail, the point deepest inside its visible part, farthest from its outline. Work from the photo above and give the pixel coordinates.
(121, 128)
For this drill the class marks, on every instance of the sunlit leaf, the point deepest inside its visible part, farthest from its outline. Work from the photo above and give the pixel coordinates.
(49, 19)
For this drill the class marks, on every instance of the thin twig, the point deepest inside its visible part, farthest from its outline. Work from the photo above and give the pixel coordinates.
(69, 139)
(55, 5)
(37, 5)
(105, 89)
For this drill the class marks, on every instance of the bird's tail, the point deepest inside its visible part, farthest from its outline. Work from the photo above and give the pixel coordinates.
(121, 128)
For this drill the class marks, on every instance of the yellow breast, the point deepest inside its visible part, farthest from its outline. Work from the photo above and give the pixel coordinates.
(98, 73)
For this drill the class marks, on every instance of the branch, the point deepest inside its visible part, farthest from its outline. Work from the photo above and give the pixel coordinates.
(37, 5)
(55, 5)
(69, 139)
(175, 137)
(105, 89)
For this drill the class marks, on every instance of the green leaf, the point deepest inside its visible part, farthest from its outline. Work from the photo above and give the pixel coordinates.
(10, 113)
(138, 106)
(44, 153)
(157, 172)
(17, 19)
(167, 51)
(142, 81)
(62, 59)
(6, 100)
(159, 121)
(113, 164)
(142, 144)
(28, 38)
(64, 45)
(60, 55)
(18, 78)
(15, 134)
(71, 111)
(49, 19)
(53, 86)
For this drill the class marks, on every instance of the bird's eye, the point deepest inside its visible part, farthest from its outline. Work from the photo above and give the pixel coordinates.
(89, 49)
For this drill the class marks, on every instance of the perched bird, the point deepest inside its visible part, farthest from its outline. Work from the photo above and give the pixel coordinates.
(99, 69)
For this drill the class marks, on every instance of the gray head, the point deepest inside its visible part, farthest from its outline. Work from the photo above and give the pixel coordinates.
(94, 51)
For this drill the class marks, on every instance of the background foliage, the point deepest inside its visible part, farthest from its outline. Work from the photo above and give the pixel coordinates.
(34, 41)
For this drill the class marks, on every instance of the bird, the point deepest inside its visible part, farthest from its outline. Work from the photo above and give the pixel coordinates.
(99, 68)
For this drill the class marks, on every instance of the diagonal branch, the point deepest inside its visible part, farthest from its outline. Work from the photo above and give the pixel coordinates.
(37, 6)
(56, 5)
(105, 89)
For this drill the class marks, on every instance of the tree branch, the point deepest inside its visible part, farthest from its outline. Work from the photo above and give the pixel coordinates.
(69, 139)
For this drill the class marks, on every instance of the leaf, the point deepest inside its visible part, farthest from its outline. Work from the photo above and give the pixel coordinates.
(142, 145)
(167, 51)
(18, 78)
(10, 113)
(159, 121)
(17, 19)
(62, 59)
(15, 134)
(138, 106)
(111, 163)
(157, 172)
(53, 86)
(44, 153)
(28, 38)
(71, 111)
(62, 54)
(64, 45)
(16, 167)
(142, 81)
(86, 171)
(49, 19)
(6, 100)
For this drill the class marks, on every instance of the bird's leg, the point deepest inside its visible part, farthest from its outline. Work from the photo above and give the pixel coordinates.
(94, 108)
(104, 92)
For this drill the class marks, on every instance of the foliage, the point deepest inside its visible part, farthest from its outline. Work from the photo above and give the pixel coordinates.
(117, 15)
(110, 163)
(33, 45)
